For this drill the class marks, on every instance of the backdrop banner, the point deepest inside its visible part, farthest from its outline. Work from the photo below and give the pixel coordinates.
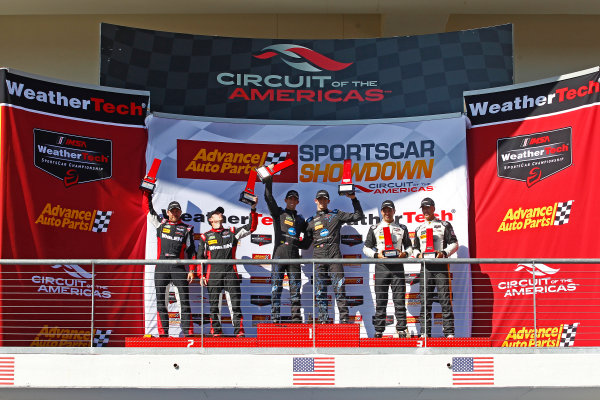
(71, 157)
(206, 162)
(533, 178)
(287, 79)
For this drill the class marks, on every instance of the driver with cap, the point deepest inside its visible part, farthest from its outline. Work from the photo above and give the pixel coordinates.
(323, 232)
(435, 239)
(220, 243)
(175, 241)
(288, 225)
(389, 275)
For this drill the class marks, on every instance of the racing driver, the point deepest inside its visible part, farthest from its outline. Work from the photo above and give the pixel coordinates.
(387, 275)
(220, 243)
(323, 232)
(436, 239)
(288, 225)
(175, 240)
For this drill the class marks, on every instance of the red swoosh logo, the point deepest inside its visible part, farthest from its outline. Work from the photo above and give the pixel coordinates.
(363, 189)
(265, 55)
(319, 59)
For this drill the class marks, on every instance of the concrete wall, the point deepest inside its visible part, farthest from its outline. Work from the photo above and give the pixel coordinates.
(68, 47)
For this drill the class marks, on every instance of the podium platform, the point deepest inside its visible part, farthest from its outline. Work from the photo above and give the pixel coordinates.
(304, 335)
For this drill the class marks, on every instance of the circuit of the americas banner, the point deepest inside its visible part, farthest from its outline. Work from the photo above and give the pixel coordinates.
(306, 79)
(533, 173)
(71, 158)
(205, 164)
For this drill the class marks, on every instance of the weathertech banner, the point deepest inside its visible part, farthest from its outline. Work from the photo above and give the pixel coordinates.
(401, 160)
(72, 158)
(533, 174)
(306, 79)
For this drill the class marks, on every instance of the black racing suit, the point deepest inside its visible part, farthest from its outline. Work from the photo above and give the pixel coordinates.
(436, 275)
(221, 244)
(175, 240)
(323, 231)
(288, 225)
(387, 275)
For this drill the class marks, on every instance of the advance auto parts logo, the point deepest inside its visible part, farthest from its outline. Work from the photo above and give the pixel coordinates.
(552, 336)
(531, 158)
(536, 217)
(77, 283)
(69, 218)
(232, 161)
(541, 281)
(74, 159)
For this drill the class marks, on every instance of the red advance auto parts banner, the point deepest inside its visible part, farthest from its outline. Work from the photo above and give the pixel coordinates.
(534, 178)
(71, 160)
(205, 164)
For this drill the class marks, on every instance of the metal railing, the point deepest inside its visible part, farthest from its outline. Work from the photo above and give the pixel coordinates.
(85, 302)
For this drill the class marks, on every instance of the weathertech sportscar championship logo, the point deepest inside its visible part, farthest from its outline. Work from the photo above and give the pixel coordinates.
(301, 58)
(261, 239)
(73, 159)
(536, 217)
(232, 161)
(532, 158)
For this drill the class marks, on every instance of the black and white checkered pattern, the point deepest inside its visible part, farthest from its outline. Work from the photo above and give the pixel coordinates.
(101, 221)
(563, 211)
(101, 337)
(275, 158)
(419, 75)
(567, 338)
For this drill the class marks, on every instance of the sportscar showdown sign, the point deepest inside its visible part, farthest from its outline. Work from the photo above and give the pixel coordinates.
(533, 170)
(205, 164)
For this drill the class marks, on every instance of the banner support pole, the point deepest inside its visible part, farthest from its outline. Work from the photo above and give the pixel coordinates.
(424, 303)
(314, 307)
(93, 305)
(535, 338)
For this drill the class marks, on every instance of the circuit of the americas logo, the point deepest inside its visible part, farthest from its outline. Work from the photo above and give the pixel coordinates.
(548, 215)
(532, 158)
(72, 159)
(301, 58)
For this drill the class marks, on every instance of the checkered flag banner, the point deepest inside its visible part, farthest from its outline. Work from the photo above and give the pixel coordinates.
(563, 211)
(275, 158)
(568, 335)
(101, 221)
(101, 337)
(439, 67)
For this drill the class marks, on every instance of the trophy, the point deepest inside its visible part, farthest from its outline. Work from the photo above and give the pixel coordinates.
(389, 251)
(429, 250)
(346, 187)
(149, 182)
(248, 196)
(267, 171)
